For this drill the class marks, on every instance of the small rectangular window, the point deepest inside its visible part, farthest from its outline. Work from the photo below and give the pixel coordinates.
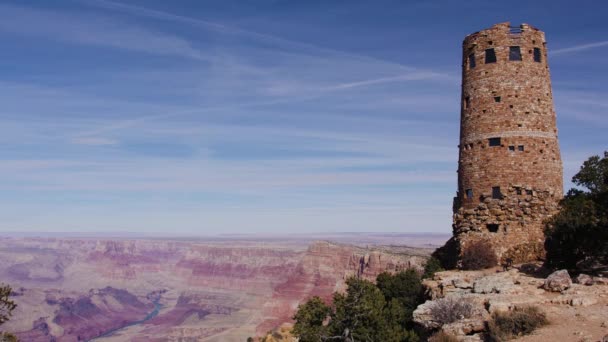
(492, 227)
(537, 56)
(518, 191)
(469, 193)
(467, 102)
(494, 141)
(511, 148)
(529, 192)
(471, 61)
(520, 148)
(496, 98)
(514, 53)
(490, 56)
(496, 192)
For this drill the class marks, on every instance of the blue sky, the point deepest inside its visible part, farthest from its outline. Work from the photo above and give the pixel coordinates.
(200, 117)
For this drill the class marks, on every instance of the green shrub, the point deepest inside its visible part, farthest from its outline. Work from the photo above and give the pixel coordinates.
(404, 288)
(448, 254)
(6, 311)
(365, 312)
(520, 321)
(433, 265)
(479, 255)
(309, 320)
(578, 234)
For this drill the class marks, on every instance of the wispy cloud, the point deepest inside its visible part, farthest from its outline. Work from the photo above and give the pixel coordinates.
(82, 28)
(95, 141)
(578, 48)
(235, 30)
(404, 72)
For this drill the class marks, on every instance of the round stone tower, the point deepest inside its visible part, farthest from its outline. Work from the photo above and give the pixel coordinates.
(509, 166)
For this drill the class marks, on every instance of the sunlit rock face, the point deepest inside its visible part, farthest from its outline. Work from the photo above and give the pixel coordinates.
(155, 290)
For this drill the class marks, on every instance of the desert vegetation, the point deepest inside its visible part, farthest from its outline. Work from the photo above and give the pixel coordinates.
(6, 308)
(479, 255)
(449, 309)
(432, 266)
(365, 312)
(577, 237)
(518, 322)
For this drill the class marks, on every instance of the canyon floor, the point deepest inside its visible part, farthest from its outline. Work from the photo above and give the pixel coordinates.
(220, 289)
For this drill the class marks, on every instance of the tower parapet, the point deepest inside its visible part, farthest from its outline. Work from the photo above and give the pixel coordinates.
(509, 168)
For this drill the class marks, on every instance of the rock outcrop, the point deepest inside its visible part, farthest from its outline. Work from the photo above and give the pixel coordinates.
(491, 291)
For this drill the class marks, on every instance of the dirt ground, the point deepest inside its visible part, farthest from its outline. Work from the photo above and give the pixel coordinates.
(575, 323)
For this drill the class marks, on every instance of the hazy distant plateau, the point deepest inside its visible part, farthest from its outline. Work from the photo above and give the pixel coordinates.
(204, 289)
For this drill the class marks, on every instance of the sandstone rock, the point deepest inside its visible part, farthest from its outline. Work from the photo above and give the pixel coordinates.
(499, 283)
(584, 279)
(422, 315)
(498, 306)
(464, 327)
(583, 301)
(472, 338)
(431, 289)
(566, 300)
(600, 281)
(462, 284)
(558, 281)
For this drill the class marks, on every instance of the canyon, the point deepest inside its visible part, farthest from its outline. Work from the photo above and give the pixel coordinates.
(222, 289)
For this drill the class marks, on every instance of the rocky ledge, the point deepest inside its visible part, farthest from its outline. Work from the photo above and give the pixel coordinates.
(576, 311)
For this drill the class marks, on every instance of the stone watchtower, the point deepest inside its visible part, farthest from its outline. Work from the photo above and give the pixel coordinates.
(509, 166)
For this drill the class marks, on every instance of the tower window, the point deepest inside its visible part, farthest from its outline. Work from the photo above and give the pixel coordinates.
(471, 61)
(469, 193)
(492, 227)
(518, 191)
(520, 148)
(496, 98)
(494, 141)
(496, 194)
(529, 192)
(511, 148)
(467, 102)
(514, 53)
(490, 56)
(537, 55)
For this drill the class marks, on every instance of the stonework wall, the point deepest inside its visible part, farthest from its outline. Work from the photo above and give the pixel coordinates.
(509, 169)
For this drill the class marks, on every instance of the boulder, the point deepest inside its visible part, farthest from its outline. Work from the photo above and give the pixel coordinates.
(600, 280)
(558, 281)
(422, 315)
(498, 306)
(499, 283)
(584, 279)
(464, 327)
